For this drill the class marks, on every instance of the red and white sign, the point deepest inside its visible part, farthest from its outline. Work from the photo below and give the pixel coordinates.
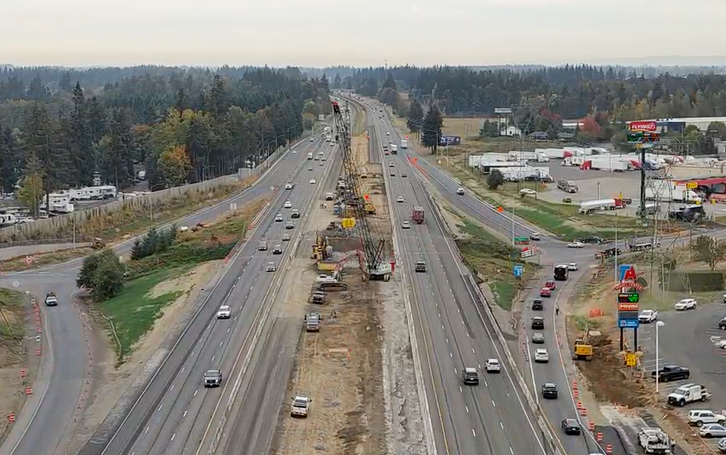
(628, 306)
(646, 125)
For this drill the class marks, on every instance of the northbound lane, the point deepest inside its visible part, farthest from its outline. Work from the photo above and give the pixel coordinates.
(489, 418)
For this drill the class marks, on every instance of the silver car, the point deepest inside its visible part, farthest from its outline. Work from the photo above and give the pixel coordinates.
(712, 430)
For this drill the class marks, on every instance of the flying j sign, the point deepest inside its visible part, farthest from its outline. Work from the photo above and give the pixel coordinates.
(647, 125)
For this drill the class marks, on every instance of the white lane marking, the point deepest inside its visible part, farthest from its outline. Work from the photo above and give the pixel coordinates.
(447, 341)
(172, 387)
(451, 355)
(185, 414)
(467, 408)
(221, 343)
(473, 432)
(173, 436)
(501, 425)
(442, 326)
(439, 315)
(228, 330)
(460, 390)
(472, 350)
(160, 406)
(511, 451)
(195, 392)
(147, 430)
(494, 404)
(214, 357)
(182, 370)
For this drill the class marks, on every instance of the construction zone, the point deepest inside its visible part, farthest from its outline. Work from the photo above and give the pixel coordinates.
(339, 396)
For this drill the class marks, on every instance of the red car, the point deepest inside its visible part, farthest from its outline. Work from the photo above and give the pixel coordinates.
(545, 292)
(550, 285)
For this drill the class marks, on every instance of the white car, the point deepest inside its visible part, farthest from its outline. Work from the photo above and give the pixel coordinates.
(572, 266)
(288, 205)
(400, 199)
(648, 316)
(712, 430)
(460, 191)
(288, 186)
(493, 366)
(391, 164)
(702, 417)
(278, 218)
(686, 304)
(541, 355)
(312, 181)
(224, 312)
(271, 267)
(406, 225)
(294, 152)
(388, 133)
(576, 245)
(721, 344)
(312, 139)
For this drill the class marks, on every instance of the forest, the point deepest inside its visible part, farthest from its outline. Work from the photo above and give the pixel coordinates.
(570, 92)
(60, 128)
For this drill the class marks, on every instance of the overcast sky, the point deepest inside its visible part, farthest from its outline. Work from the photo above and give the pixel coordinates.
(360, 33)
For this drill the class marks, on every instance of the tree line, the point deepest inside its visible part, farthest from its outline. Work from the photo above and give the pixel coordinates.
(180, 125)
(572, 92)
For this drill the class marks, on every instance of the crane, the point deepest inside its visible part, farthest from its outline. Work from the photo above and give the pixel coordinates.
(376, 268)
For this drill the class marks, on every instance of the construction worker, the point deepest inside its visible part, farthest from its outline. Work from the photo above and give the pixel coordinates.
(557, 310)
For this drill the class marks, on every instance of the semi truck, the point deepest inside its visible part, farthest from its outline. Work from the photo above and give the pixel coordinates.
(667, 192)
(418, 214)
(589, 207)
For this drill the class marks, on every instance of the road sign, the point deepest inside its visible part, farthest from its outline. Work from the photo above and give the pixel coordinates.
(646, 125)
(692, 185)
(518, 270)
(521, 240)
(347, 223)
(628, 323)
(631, 359)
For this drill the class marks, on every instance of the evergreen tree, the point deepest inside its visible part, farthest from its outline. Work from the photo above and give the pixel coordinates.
(108, 277)
(432, 124)
(415, 116)
(337, 82)
(137, 250)
(81, 147)
(10, 160)
(118, 162)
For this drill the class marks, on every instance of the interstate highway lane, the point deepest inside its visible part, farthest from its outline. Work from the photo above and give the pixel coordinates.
(182, 417)
(45, 432)
(107, 440)
(486, 419)
(553, 252)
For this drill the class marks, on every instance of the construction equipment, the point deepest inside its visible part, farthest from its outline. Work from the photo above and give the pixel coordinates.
(372, 263)
(369, 208)
(321, 248)
(583, 348)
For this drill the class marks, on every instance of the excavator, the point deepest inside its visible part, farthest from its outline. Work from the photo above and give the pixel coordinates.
(584, 345)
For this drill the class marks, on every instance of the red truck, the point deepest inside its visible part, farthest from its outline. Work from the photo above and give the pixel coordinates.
(418, 214)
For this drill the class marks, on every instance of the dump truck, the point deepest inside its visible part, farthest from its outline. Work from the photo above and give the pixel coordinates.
(418, 214)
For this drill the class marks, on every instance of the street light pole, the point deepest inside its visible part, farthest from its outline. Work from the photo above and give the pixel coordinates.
(658, 325)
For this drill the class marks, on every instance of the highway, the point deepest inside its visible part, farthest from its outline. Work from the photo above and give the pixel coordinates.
(486, 419)
(176, 414)
(553, 252)
(45, 432)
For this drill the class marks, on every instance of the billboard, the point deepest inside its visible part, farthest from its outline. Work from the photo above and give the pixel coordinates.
(449, 140)
(502, 110)
(645, 125)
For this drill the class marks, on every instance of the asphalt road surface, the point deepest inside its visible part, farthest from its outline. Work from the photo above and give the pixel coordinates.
(176, 414)
(552, 252)
(486, 419)
(64, 336)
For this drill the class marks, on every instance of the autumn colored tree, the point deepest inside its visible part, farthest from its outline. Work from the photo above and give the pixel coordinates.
(590, 127)
(174, 165)
(31, 190)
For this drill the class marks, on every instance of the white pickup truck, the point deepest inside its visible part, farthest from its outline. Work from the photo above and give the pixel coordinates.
(300, 406)
(654, 440)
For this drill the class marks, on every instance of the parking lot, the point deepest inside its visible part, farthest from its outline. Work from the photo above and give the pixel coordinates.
(689, 339)
(593, 185)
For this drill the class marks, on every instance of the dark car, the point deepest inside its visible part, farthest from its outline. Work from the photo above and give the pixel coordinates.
(537, 323)
(671, 373)
(592, 240)
(549, 390)
(470, 376)
(537, 305)
(571, 426)
(277, 249)
(420, 266)
(722, 324)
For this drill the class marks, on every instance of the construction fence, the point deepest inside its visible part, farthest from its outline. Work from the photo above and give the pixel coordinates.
(50, 230)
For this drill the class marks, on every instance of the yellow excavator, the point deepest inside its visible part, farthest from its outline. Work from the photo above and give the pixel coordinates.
(369, 208)
(584, 346)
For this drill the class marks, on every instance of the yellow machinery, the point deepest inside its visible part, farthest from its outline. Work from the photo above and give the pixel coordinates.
(321, 242)
(583, 348)
(369, 208)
